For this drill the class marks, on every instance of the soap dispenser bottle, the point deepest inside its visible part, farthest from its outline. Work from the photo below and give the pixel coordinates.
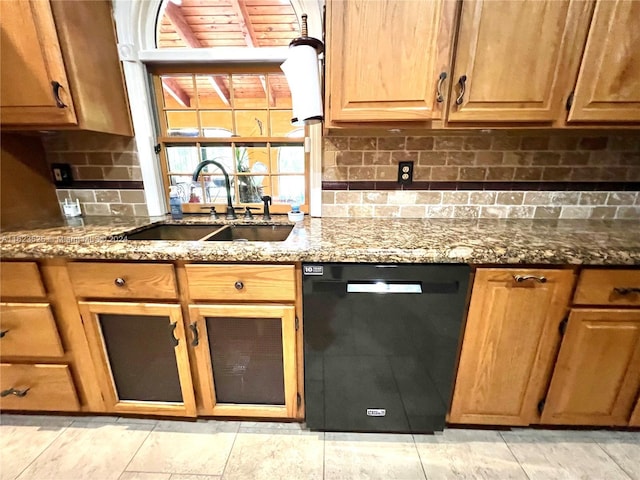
(175, 204)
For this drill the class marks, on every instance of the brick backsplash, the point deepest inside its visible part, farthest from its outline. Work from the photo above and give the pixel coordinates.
(474, 164)
(105, 168)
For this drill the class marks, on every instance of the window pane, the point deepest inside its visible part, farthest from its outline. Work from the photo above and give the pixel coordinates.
(289, 189)
(183, 186)
(216, 123)
(249, 91)
(182, 159)
(251, 123)
(223, 154)
(213, 91)
(281, 123)
(280, 88)
(251, 159)
(182, 123)
(287, 158)
(177, 91)
(216, 189)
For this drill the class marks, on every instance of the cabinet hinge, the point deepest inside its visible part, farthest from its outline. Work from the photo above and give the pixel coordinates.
(569, 101)
(157, 149)
(298, 399)
(297, 324)
(563, 326)
(541, 405)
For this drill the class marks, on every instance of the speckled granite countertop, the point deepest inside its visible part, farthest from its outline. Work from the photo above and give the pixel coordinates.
(484, 241)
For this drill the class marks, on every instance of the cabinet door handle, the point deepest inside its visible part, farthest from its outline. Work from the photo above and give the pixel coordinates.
(524, 278)
(56, 94)
(3, 333)
(441, 79)
(626, 290)
(196, 336)
(120, 282)
(461, 82)
(239, 285)
(13, 391)
(172, 329)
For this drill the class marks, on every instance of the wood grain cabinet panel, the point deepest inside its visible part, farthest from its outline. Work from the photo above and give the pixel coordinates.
(517, 60)
(271, 283)
(597, 375)
(510, 339)
(635, 416)
(123, 280)
(21, 279)
(384, 59)
(608, 86)
(28, 329)
(608, 287)
(37, 387)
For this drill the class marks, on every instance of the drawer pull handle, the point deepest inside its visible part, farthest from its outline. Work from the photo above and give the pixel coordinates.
(3, 333)
(239, 285)
(56, 94)
(626, 290)
(120, 282)
(172, 329)
(524, 278)
(196, 336)
(461, 82)
(13, 391)
(441, 79)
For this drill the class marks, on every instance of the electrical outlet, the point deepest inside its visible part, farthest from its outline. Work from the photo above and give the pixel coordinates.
(405, 173)
(62, 176)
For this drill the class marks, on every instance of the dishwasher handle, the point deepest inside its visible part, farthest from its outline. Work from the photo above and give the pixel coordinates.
(384, 287)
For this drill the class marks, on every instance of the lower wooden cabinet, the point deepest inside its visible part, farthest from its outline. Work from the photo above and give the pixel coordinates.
(635, 416)
(29, 329)
(597, 375)
(510, 340)
(37, 387)
(140, 354)
(246, 359)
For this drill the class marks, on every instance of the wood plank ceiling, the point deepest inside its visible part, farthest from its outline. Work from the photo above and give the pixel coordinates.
(227, 23)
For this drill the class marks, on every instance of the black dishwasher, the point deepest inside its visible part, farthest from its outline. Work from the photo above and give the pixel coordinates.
(380, 344)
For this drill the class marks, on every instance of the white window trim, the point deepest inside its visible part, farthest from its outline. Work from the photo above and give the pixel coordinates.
(136, 28)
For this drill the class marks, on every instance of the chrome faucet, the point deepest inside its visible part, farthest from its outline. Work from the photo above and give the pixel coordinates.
(231, 213)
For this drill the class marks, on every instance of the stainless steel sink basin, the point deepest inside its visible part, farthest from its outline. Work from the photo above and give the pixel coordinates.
(173, 232)
(220, 233)
(252, 233)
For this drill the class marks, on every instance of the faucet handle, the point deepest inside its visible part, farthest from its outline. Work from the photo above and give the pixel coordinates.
(231, 212)
(212, 211)
(267, 201)
(247, 212)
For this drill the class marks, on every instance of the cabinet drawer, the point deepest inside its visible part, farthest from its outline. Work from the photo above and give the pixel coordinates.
(37, 387)
(21, 279)
(242, 282)
(28, 329)
(608, 287)
(123, 280)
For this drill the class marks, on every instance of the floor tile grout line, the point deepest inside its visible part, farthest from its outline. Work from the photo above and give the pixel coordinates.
(612, 459)
(415, 445)
(64, 429)
(324, 453)
(138, 449)
(515, 457)
(235, 437)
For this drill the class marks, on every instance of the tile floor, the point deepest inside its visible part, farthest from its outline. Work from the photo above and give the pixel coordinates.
(103, 448)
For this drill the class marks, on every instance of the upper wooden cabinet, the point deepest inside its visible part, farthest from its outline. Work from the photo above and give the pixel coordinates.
(60, 67)
(510, 340)
(516, 61)
(385, 58)
(608, 87)
(597, 376)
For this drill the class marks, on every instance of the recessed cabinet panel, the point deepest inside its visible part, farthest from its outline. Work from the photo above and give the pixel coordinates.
(608, 88)
(140, 350)
(246, 355)
(516, 60)
(29, 329)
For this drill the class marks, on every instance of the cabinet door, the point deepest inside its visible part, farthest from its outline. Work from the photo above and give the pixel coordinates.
(385, 58)
(31, 61)
(597, 375)
(608, 88)
(510, 340)
(246, 356)
(516, 60)
(140, 354)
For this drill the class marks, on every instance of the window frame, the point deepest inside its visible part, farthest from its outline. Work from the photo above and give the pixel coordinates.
(165, 140)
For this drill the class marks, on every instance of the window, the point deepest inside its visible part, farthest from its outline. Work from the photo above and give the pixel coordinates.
(239, 117)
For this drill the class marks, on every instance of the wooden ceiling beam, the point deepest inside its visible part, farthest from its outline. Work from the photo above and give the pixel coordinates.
(251, 39)
(174, 14)
(175, 90)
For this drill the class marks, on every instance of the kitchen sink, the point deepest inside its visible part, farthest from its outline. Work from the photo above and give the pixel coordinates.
(252, 233)
(218, 233)
(173, 232)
